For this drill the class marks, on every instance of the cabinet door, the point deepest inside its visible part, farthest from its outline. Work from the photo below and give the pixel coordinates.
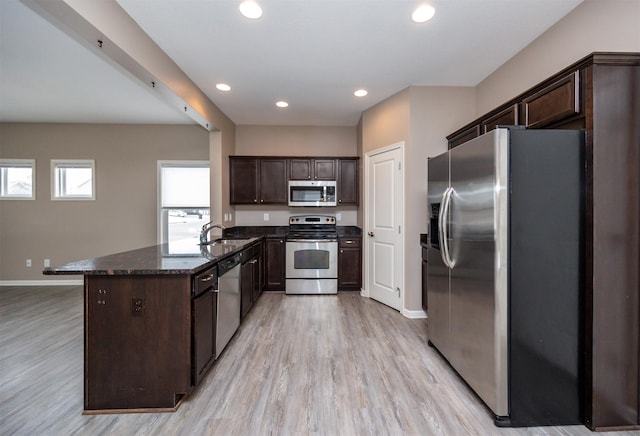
(347, 182)
(256, 269)
(349, 263)
(275, 259)
(246, 288)
(425, 271)
(464, 136)
(300, 169)
(243, 180)
(324, 169)
(203, 333)
(556, 102)
(273, 181)
(506, 117)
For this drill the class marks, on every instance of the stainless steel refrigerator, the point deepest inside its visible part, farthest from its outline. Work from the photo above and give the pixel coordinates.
(505, 271)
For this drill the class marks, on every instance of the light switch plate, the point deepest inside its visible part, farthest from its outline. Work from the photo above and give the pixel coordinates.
(338, 217)
(266, 216)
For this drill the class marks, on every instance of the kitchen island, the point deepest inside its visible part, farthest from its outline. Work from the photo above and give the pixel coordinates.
(141, 327)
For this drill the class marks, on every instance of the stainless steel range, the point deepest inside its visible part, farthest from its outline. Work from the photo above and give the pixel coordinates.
(312, 255)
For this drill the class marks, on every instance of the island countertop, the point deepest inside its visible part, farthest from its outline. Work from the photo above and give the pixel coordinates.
(157, 259)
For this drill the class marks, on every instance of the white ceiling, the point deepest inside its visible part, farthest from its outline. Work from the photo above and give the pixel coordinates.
(311, 53)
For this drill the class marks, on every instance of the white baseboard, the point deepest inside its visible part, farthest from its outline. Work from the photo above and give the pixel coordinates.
(414, 314)
(41, 282)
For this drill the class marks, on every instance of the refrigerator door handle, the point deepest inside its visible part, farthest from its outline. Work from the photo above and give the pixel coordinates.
(443, 228)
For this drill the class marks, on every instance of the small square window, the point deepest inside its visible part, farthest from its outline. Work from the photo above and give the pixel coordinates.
(73, 179)
(17, 179)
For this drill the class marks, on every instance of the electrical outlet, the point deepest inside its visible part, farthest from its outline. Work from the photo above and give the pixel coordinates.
(338, 217)
(137, 306)
(47, 263)
(28, 263)
(266, 216)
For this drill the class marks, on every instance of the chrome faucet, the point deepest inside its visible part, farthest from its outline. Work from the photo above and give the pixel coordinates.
(206, 229)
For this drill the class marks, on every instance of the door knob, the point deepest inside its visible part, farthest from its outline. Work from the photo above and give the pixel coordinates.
(370, 234)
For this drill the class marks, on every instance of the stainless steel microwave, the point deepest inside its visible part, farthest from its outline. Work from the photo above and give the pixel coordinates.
(312, 193)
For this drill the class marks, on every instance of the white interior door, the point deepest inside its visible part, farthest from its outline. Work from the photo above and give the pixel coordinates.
(385, 207)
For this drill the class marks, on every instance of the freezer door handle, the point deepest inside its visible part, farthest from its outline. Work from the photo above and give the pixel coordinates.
(443, 228)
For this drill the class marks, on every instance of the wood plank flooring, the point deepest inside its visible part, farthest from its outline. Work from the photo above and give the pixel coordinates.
(298, 365)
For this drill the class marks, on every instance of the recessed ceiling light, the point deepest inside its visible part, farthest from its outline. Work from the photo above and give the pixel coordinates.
(282, 104)
(360, 93)
(250, 9)
(423, 13)
(223, 87)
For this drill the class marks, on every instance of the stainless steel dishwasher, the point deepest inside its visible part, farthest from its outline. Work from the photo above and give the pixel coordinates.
(228, 312)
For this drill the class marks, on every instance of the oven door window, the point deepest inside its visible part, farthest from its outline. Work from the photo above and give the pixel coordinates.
(307, 193)
(311, 259)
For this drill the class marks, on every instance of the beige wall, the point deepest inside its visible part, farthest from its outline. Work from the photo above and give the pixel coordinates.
(386, 123)
(595, 25)
(420, 117)
(435, 113)
(124, 214)
(296, 141)
(293, 141)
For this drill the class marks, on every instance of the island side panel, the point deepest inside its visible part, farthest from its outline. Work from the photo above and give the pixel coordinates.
(137, 341)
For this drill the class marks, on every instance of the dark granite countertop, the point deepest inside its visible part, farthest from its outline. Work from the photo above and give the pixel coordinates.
(186, 257)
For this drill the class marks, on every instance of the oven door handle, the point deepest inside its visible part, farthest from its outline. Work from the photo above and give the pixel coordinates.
(312, 240)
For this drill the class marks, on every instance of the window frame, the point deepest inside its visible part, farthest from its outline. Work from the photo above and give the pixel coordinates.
(162, 232)
(69, 163)
(18, 163)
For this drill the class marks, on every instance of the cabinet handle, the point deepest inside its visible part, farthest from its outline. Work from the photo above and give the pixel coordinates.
(255, 200)
(208, 278)
(349, 242)
(261, 201)
(341, 251)
(339, 201)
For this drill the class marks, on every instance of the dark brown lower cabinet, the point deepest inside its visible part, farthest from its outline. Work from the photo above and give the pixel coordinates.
(274, 263)
(349, 263)
(250, 277)
(137, 342)
(425, 270)
(204, 334)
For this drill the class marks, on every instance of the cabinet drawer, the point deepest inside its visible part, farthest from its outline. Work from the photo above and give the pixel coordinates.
(205, 280)
(555, 102)
(349, 242)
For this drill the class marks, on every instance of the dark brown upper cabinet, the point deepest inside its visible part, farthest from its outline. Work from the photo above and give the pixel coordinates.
(505, 117)
(556, 102)
(312, 169)
(347, 183)
(255, 180)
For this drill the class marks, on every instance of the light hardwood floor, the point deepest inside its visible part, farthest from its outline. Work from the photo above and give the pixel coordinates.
(298, 365)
